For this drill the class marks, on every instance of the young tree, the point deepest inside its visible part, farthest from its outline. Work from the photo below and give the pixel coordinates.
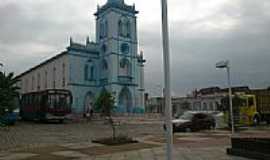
(8, 93)
(105, 105)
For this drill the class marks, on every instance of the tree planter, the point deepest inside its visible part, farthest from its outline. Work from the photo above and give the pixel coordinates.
(115, 141)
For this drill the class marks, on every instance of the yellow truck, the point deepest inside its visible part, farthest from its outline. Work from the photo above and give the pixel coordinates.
(250, 108)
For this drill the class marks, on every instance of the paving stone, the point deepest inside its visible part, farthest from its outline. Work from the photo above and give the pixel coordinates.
(118, 156)
(72, 154)
(133, 155)
(80, 145)
(17, 156)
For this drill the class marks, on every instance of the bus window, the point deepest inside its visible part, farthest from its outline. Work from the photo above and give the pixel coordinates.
(243, 102)
(52, 101)
(250, 101)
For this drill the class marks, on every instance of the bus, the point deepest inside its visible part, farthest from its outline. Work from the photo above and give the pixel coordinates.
(47, 105)
(249, 109)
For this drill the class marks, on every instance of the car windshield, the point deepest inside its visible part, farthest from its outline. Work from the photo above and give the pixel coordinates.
(186, 116)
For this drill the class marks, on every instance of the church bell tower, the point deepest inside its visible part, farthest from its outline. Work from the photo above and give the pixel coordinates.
(116, 36)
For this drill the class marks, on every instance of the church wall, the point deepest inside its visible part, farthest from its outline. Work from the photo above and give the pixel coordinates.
(79, 85)
(52, 75)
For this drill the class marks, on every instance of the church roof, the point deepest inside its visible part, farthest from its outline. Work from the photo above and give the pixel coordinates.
(90, 47)
(119, 4)
(42, 64)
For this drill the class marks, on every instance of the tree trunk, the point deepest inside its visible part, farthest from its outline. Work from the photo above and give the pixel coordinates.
(113, 127)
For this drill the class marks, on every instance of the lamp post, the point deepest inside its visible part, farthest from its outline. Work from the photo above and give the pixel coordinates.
(226, 64)
(167, 94)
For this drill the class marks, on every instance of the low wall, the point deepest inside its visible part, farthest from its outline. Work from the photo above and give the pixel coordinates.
(257, 148)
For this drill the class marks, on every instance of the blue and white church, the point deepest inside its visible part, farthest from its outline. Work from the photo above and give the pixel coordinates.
(111, 63)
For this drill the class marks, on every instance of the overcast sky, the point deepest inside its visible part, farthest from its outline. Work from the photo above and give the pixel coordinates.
(201, 33)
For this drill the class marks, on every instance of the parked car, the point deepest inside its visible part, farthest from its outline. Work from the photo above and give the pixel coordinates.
(193, 121)
(10, 118)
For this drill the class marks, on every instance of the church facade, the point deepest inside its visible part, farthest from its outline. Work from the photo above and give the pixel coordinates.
(111, 63)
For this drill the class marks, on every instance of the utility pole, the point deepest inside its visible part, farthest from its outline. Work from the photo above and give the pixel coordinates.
(167, 79)
(230, 96)
(226, 64)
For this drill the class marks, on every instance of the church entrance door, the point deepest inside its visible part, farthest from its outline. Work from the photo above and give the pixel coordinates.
(125, 100)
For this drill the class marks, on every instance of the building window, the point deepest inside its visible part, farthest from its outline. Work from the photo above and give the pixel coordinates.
(204, 106)
(92, 73)
(124, 28)
(63, 74)
(125, 67)
(104, 48)
(104, 64)
(86, 72)
(38, 81)
(54, 77)
(89, 72)
(26, 85)
(103, 29)
(33, 83)
(125, 48)
(211, 106)
(128, 29)
(46, 80)
(120, 28)
(106, 28)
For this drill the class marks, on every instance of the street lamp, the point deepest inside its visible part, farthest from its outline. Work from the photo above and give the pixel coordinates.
(226, 64)
(167, 79)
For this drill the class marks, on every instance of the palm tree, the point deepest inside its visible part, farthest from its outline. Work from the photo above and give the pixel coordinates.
(8, 92)
(105, 106)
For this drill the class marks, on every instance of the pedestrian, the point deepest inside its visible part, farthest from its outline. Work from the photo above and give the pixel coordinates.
(89, 112)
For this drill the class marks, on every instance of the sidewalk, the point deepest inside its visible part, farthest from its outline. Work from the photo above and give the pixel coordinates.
(70, 153)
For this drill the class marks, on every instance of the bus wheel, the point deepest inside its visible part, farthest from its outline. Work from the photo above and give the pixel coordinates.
(256, 121)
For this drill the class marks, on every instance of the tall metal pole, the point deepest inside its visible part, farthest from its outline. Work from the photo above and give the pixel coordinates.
(230, 97)
(166, 56)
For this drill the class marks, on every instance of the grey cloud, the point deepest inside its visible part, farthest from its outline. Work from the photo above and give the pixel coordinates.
(195, 47)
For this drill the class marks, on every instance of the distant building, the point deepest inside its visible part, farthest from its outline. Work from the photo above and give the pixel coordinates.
(111, 63)
(205, 99)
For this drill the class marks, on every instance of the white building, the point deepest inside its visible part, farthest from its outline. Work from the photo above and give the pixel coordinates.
(111, 63)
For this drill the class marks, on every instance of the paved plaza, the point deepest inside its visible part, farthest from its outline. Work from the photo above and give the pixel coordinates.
(72, 141)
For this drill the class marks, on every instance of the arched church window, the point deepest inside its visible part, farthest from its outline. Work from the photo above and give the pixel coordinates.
(104, 48)
(120, 27)
(86, 72)
(104, 64)
(124, 27)
(106, 28)
(128, 29)
(89, 71)
(125, 67)
(101, 30)
(92, 73)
